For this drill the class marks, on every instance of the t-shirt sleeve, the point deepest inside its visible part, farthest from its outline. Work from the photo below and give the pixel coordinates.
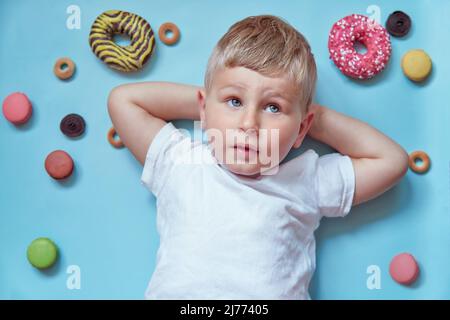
(162, 156)
(335, 184)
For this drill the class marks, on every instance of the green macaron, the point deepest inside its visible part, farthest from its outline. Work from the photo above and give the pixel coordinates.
(42, 253)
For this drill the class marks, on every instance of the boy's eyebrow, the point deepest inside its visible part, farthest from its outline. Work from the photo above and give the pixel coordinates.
(242, 87)
(236, 85)
(278, 95)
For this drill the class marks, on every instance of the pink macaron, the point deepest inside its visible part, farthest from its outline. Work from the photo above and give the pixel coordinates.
(17, 108)
(404, 268)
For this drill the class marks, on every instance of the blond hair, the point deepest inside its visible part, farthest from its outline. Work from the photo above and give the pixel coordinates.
(270, 46)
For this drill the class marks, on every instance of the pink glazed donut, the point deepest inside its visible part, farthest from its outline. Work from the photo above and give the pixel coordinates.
(358, 28)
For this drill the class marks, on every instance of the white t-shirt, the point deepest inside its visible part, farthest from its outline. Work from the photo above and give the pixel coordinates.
(224, 236)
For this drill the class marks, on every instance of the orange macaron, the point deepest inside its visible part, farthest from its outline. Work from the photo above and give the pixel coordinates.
(59, 164)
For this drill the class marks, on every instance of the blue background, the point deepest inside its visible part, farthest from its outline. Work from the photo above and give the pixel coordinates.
(103, 219)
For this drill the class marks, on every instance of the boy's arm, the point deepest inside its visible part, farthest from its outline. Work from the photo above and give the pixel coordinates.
(379, 162)
(139, 110)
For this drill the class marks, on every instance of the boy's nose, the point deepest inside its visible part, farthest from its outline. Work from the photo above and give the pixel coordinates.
(249, 122)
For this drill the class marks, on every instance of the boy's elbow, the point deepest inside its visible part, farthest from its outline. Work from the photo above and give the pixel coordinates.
(402, 163)
(395, 165)
(116, 97)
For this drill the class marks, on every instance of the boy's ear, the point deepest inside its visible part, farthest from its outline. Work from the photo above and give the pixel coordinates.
(304, 128)
(201, 99)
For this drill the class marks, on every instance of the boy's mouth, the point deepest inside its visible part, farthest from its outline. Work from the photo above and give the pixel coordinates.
(246, 147)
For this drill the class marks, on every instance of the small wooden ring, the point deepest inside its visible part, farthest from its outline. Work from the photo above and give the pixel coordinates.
(117, 143)
(423, 157)
(169, 26)
(64, 73)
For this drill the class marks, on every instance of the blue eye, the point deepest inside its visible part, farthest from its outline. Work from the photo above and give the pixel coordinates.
(274, 108)
(234, 103)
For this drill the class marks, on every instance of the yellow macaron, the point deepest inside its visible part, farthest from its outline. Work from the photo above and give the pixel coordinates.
(416, 65)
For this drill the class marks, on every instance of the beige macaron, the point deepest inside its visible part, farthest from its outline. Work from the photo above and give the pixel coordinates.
(416, 65)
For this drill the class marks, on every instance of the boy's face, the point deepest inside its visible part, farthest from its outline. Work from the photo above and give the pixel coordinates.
(262, 113)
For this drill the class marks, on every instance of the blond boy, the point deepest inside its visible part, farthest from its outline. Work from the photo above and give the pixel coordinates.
(238, 224)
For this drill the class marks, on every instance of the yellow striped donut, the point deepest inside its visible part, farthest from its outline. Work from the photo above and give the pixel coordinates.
(122, 58)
